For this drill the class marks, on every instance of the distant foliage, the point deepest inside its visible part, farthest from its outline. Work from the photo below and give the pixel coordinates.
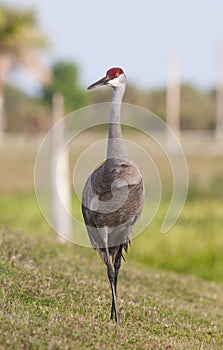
(19, 30)
(20, 44)
(65, 81)
(197, 110)
(26, 113)
(23, 113)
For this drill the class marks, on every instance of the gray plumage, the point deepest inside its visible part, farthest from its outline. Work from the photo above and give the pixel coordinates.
(113, 195)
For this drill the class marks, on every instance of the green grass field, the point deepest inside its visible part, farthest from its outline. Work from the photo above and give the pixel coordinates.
(57, 296)
(193, 246)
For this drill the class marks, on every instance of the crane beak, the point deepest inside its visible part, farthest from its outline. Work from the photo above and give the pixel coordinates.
(100, 82)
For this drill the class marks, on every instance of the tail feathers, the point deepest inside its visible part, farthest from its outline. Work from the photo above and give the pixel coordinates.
(126, 246)
(113, 251)
(123, 257)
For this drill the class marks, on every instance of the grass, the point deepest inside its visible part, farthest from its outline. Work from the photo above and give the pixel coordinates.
(193, 246)
(57, 296)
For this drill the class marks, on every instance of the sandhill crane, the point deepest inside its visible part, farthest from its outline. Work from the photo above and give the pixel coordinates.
(113, 195)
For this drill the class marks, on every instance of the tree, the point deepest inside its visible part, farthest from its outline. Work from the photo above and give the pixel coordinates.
(24, 113)
(65, 81)
(20, 41)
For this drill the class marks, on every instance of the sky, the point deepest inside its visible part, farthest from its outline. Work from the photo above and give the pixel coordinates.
(138, 36)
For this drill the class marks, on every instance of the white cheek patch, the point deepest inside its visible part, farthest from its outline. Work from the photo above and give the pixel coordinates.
(114, 82)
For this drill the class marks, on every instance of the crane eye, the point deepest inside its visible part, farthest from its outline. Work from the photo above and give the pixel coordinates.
(116, 74)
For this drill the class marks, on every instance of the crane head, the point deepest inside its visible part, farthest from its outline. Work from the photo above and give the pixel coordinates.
(114, 78)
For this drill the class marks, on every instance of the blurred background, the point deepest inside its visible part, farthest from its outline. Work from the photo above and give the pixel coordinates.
(172, 54)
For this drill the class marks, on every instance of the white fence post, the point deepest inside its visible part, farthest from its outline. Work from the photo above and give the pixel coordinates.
(1, 119)
(60, 177)
(173, 95)
(219, 100)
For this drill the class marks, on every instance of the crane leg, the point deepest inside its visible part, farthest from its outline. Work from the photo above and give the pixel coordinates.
(111, 277)
(117, 265)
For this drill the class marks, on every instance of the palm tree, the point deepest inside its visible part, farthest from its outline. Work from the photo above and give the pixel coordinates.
(20, 41)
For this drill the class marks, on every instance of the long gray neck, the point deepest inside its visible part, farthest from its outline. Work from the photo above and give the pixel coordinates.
(116, 146)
